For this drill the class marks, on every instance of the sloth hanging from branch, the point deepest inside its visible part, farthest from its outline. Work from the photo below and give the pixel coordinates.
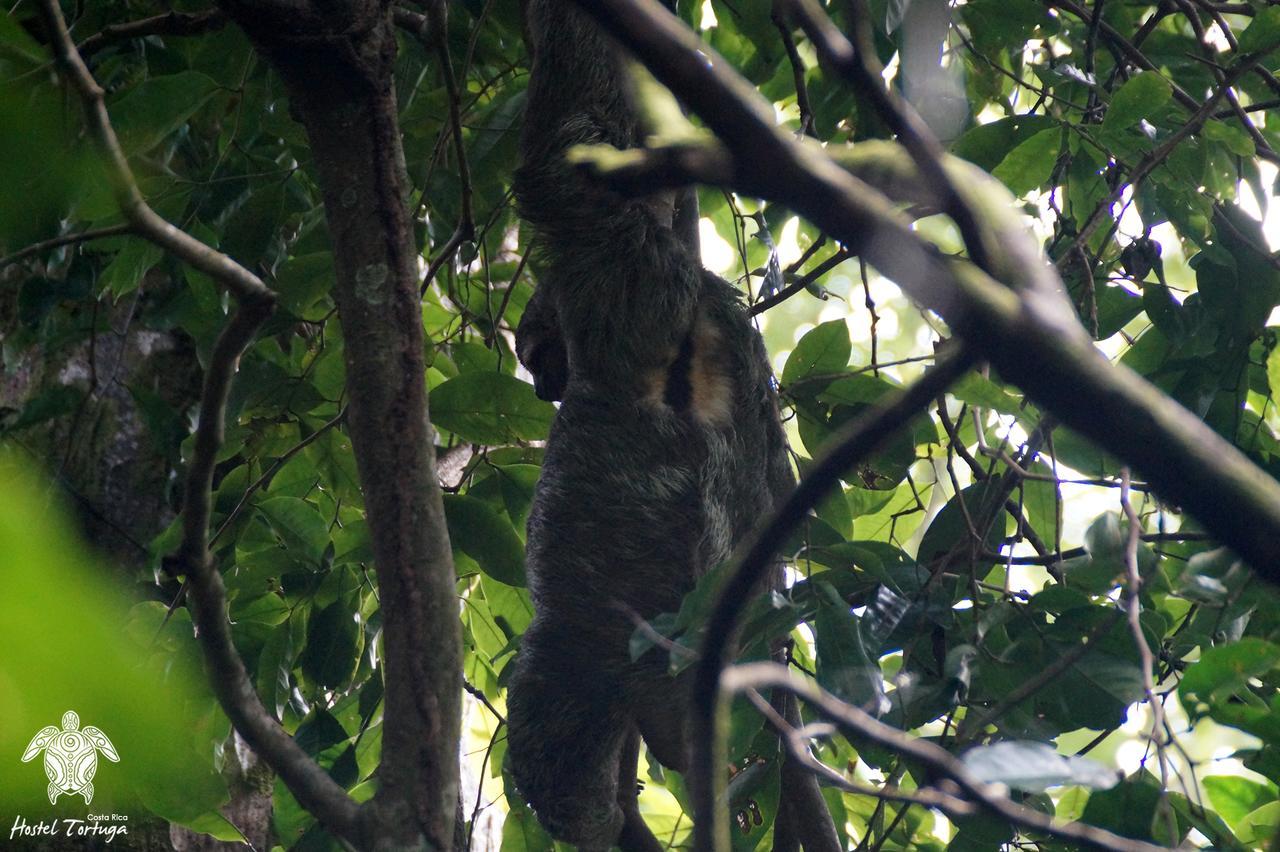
(666, 450)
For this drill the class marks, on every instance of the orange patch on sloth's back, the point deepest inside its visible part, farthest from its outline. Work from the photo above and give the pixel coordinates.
(710, 390)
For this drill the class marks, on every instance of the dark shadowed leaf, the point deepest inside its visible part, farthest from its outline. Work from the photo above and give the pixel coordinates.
(334, 642)
(319, 731)
(479, 530)
(299, 525)
(157, 107)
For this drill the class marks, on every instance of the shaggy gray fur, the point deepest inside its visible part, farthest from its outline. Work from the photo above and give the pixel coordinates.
(667, 448)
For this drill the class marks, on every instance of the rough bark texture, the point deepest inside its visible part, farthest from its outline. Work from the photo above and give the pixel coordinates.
(115, 472)
(337, 66)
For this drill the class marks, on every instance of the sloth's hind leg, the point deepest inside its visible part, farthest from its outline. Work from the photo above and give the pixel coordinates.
(565, 738)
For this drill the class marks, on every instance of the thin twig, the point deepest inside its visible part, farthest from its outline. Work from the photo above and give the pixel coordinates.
(800, 283)
(466, 228)
(478, 694)
(1133, 607)
(779, 18)
(65, 239)
(795, 739)
(484, 764)
(1074, 552)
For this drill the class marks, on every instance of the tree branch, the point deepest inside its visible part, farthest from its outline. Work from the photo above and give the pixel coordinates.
(336, 60)
(312, 786)
(859, 725)
(243, 284)
(796, 742)
(169, 23)
(801, 282)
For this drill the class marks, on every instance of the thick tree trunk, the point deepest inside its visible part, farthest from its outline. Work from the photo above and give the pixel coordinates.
(337, 66)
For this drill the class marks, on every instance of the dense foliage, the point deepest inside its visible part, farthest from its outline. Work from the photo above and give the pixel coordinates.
(971, 583)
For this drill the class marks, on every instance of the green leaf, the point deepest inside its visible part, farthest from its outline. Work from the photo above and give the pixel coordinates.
(521, 831)
(269, 609)
(274, 665)
(491, 408)
(50, 403)
(987, 144)
(1263, 33)
(1042, 502)
(15, 41)
(303, 280)
(1273, 371)
(1127, 808)
(123, 275)
(977, 389)
(1140, 98)
(1259, 826)
(1224, 670)
(298, 524)
(84, 646)
(516, 482)
(1233, 796)
(1235, 139)
(334, 643)
(846, 666)
(824, 349)
(1030, 165)
(158, 106)
(477, 529)
(859, 389)
(216, 826)
(950, 527)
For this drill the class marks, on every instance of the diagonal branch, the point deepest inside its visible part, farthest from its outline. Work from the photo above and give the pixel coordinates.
(853, 444)
(1026, 330)
(240, 281)
(310, 784)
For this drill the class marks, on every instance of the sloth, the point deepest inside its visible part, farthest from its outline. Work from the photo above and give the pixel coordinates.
(666, 450)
